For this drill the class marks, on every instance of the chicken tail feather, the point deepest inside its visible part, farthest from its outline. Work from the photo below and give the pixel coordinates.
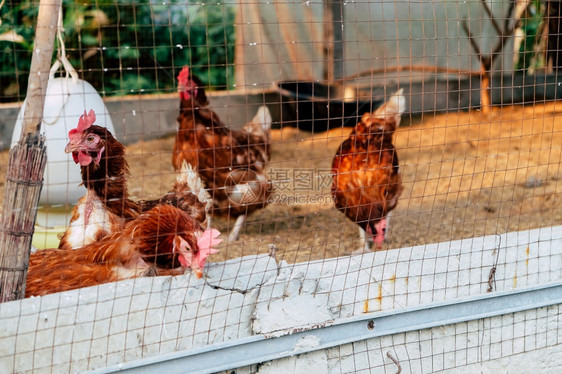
(393, 108)
(260, 125)
(190, 177)
(263, 117)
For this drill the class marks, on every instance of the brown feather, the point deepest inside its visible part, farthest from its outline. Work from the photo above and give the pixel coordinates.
(107, 181)
(143, 247)
(217, 152)
(366, 183)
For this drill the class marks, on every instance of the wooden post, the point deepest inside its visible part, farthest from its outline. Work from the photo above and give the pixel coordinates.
(333, 40)
(27, 161)
(337, 19)
(328, 50)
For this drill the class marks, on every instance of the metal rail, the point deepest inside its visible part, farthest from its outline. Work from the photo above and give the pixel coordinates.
(255, 349)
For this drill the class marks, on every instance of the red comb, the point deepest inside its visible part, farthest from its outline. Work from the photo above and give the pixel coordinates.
(183, 76)
(85, 121)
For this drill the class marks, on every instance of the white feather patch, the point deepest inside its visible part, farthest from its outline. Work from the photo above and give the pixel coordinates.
(189, 176)
(93, 218)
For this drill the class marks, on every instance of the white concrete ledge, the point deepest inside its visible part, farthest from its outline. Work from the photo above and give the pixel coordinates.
(102, 326)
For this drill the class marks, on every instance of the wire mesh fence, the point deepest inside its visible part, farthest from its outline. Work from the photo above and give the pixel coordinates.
(385, 178)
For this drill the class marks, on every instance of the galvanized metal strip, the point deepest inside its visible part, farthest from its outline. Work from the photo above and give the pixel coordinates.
(255, 349)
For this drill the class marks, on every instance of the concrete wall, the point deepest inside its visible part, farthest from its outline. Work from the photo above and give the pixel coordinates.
(95, 327)
(151, 116)
(522, 342)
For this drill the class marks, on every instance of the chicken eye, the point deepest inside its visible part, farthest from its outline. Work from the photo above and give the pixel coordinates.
(90, 139)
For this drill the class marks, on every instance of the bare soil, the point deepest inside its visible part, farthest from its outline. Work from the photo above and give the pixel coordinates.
(464, 174)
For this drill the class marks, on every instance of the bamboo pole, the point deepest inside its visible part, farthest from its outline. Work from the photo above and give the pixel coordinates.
(27, 161)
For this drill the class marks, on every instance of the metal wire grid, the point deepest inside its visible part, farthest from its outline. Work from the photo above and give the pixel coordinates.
(446, 197)
(122, 322)
(511, 338)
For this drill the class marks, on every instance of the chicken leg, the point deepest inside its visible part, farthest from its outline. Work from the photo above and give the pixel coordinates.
(366, 241)
(233, 236)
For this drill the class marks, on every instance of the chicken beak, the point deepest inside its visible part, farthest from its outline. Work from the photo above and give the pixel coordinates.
(74, 149)
(74, 146)
(70, 148)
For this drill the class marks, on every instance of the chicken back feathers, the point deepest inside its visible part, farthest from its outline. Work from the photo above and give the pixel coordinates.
(366, 183)
(188, 193)
(231, 163)
(147, 245)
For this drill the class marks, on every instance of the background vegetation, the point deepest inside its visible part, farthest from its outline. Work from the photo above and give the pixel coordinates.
(125, 46)
(530, 55)
(137, 46)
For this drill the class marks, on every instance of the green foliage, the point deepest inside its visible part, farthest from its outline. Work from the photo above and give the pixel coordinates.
(127, 46)
(528, 58)
(17, 29)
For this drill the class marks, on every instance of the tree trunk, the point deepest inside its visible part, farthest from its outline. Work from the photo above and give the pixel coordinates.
(485, 100)
(554, 46)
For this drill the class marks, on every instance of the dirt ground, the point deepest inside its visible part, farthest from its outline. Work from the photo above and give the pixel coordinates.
(464, 174)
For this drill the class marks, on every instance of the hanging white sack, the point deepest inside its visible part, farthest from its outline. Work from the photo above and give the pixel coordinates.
(67, 99)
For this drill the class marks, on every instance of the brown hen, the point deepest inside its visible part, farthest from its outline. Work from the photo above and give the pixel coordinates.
(367, 183)
(107, 206)
(231, 163)
(161, 241)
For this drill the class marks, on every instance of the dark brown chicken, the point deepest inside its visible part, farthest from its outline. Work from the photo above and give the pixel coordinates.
(106, 206)
(231, 163)
(161, 241)
(367, 183)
